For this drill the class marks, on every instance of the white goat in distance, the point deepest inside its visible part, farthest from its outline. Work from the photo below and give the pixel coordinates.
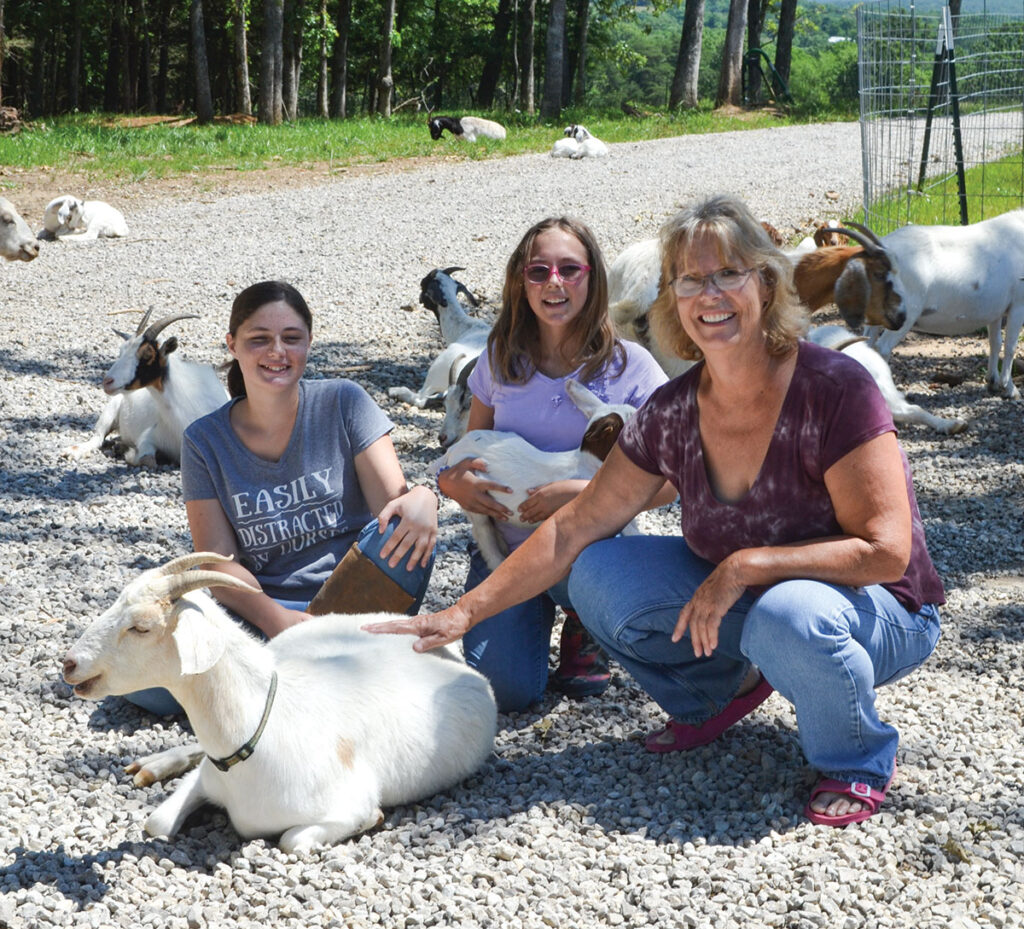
(73, 220)
(308, 735)
(154, 397)
(517, 464)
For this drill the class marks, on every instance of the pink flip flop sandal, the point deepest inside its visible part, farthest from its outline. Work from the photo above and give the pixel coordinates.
(679, 737)
(856, 790)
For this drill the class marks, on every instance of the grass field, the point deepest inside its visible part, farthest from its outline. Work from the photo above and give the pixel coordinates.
(136, 148)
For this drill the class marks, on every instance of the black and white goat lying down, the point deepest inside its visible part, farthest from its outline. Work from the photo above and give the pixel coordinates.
(466, 128)
(154, 396)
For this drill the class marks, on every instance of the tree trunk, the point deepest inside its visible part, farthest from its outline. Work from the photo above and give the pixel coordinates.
(339, 90)
(684, 92)
(241, 42)
(146, 100)
(115, 52)
(495, 56)
(554, 62)
(730, 79)
(74, 56)
(163, 31)
(527, 84)
(3, 43)
(582, 31)
(292, 73)
(204, 101)
(755, 97)
(323, 73)
(271, 62)
(784, 40)
(385, 82)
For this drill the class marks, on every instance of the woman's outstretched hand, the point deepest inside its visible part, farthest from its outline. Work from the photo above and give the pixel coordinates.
(702, 616)
(431, 629)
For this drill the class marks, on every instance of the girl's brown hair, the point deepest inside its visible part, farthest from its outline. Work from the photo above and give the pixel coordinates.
(514, 342)
(741, 239)
(248, 302)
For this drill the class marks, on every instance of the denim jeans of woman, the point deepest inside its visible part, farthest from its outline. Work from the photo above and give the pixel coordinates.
(511, 648)
(159, 701)
(823, 647)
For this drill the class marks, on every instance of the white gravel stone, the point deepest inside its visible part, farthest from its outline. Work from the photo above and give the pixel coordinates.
(571, 824)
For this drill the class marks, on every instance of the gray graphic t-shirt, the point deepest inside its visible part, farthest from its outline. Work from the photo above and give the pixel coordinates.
(296, 517)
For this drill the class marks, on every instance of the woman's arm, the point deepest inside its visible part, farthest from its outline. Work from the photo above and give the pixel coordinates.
(383, 485)
(869, 494)
(618, 492)
(212, 532)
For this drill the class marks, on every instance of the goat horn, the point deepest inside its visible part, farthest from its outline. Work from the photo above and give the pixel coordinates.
(176, 586)
(863, 235)
(451, 270)
(184, 562)
(153, 331)
(143, 321)
(123, 335)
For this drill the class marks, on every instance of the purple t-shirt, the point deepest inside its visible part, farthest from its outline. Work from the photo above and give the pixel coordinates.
(540, 410)
(832, 407)
(542, 413)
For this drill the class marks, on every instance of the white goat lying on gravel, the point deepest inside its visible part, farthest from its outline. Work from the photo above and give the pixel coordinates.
(154, 397)
(464, 336)
(74, 220)
(16, 240)
(517, 464)
(308, 735)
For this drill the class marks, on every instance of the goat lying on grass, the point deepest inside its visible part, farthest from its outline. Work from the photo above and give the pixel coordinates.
(16, 240)
(154, 397)
(308, 735)
(517, 464)
(466, 128)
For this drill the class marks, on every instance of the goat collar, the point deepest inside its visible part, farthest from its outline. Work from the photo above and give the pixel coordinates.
(225, 764)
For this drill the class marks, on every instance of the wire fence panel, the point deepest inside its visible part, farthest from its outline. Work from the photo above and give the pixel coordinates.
(941, 114)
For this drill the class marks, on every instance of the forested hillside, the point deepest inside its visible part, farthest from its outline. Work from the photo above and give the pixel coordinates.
(283, 59)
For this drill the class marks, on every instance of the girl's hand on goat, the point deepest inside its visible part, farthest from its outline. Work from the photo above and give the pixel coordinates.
(431, 629)
(464, 483)
(710, 602)
(416, 530)
(543, 501)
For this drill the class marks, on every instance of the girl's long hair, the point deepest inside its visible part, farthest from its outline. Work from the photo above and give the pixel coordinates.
(514, 342)
(248, 302)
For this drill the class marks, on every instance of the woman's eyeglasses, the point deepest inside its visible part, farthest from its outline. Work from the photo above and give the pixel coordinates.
(723, 279)
(569, 273)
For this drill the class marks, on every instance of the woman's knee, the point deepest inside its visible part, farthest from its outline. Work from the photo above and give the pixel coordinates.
(786, 618)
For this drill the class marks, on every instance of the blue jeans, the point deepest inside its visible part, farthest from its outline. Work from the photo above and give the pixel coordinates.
(158, 700)
(511, 648)
(824, 647)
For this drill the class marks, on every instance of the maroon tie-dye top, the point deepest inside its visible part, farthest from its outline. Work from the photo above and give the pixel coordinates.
(832, 407)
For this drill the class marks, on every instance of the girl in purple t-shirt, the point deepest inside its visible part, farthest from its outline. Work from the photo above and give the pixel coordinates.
(553, 325)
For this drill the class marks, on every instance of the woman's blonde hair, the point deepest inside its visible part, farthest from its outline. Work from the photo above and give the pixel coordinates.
(741, 241)
(514, 342)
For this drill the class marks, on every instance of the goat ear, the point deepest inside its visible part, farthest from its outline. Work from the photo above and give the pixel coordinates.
(601, 435)
(170, 345)
(852, 292)
(200, 643)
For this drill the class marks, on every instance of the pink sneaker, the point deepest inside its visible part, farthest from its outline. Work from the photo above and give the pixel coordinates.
(679, 737)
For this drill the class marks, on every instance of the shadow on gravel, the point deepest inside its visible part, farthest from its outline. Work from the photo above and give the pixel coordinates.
(70, 365)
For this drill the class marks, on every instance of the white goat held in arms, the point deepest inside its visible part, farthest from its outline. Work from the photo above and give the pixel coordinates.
(16, 240)
(467, 128)
(956, 279)
(465, 337)
(308, 735)
(517, 464)
(154, 396)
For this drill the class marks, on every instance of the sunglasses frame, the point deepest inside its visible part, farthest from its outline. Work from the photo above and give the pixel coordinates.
(556, 270)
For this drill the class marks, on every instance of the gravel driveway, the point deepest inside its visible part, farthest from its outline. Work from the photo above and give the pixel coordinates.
(572, 823)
